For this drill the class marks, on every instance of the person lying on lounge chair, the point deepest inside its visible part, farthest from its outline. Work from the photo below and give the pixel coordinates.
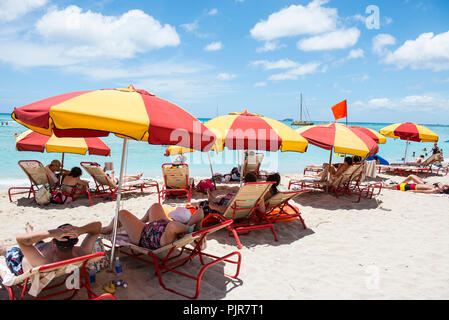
(154, 230)
(218, 204)
(126, 178)
(33, 251)
(73, 180)
(415, 184)
(275, 177)
(334, 172)
(417, 162)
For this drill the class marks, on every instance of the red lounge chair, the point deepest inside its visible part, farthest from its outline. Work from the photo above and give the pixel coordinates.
(241, 211)
(168, 259)
(104, 186)
(58, 269)
(278, 208)
(37, 175)
(176, 180)
(252, 164)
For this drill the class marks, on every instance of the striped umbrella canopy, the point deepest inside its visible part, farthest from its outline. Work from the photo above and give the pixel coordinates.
(340, 138)
(128, 112)
(250, 131)
(34, 141)
(409, 131)
(373, 134)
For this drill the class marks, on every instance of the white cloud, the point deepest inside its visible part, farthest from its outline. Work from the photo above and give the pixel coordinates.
(89, 34)
(361, 78)
(260, 84)
(270, 46)
(381, 41)
(415, 103)
(356, 54)
(297, 20)
(295, 73)
(339, 39)
(212, 12)
(280, 64)
(428, 51)
(214, 46)
(226, 76)
(13, 9)
(190, 26)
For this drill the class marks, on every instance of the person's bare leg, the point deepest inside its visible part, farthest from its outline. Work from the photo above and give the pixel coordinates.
(135, 177)
(154, 213)
(130, 223)
(3, 249)
(171, 232)
(414, 179)
(196, 219)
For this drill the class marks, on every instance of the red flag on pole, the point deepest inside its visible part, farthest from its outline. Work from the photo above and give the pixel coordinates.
(340, 110)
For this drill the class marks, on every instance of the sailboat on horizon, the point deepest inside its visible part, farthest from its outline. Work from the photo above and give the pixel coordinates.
(300, 122)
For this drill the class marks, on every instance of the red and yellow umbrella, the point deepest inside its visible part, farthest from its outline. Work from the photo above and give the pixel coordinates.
(376, 136)
(34, 141)
(250, 131)
(409, 131)
(128, 112)
(340, 138)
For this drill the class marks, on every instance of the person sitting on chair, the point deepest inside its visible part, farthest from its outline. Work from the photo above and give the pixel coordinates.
(276, 178)
(126, 178)
(415, 184)
(32, 251)
(219, 204)
(54, 171)
(154, 230)
(335, 173)
(73, 180)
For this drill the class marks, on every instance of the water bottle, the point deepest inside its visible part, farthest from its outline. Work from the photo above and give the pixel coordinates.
(92, 274)
(118, 266)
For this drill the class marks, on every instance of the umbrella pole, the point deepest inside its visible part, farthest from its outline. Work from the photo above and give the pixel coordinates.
(62, 170)
(406, 148)
(329, 171)
(119, 196)
(211, 170)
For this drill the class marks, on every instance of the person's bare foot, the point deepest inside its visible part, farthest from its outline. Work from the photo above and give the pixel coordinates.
(140, 174)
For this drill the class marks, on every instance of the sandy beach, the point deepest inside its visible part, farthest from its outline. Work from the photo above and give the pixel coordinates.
(397, 250)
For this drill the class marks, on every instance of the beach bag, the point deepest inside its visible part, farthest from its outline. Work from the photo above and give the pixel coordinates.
(43, 195)
(14, 257)
(101, 264)
(205, 184)
(60, 198)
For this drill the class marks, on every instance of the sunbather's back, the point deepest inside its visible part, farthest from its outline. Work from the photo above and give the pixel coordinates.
(246, 199)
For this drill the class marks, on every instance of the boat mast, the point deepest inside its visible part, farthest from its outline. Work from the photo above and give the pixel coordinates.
(300, 113)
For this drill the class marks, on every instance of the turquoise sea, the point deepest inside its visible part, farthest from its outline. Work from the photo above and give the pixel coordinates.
(149, 158)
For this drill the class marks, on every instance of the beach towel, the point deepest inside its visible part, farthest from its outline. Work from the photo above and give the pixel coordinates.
(370, 170)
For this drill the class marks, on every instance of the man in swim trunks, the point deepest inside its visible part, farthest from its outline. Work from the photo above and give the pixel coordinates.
(154, 230)
(415, 184)
(33, 251)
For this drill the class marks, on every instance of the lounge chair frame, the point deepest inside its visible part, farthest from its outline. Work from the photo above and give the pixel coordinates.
(243, 216)
(166, 259)
(167, 190)
(106, 188)
(22, 282)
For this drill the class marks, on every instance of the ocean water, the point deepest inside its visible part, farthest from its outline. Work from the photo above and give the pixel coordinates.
(148, 158)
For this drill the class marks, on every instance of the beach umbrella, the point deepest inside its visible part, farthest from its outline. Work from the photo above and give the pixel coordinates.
(251, 131)
(128, 112)
(34, 141)
(339, 138)
(373, 134)
(409, 131)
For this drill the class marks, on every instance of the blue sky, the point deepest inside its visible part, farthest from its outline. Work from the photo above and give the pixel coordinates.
(235, 54)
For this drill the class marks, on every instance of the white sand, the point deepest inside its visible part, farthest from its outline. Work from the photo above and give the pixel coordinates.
(349, 251)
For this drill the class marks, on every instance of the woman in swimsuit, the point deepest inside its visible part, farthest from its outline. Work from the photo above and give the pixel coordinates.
(72, 180)
(154, 230)
(415, 184)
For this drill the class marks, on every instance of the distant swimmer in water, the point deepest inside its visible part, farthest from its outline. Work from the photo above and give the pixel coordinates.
(15, 134)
